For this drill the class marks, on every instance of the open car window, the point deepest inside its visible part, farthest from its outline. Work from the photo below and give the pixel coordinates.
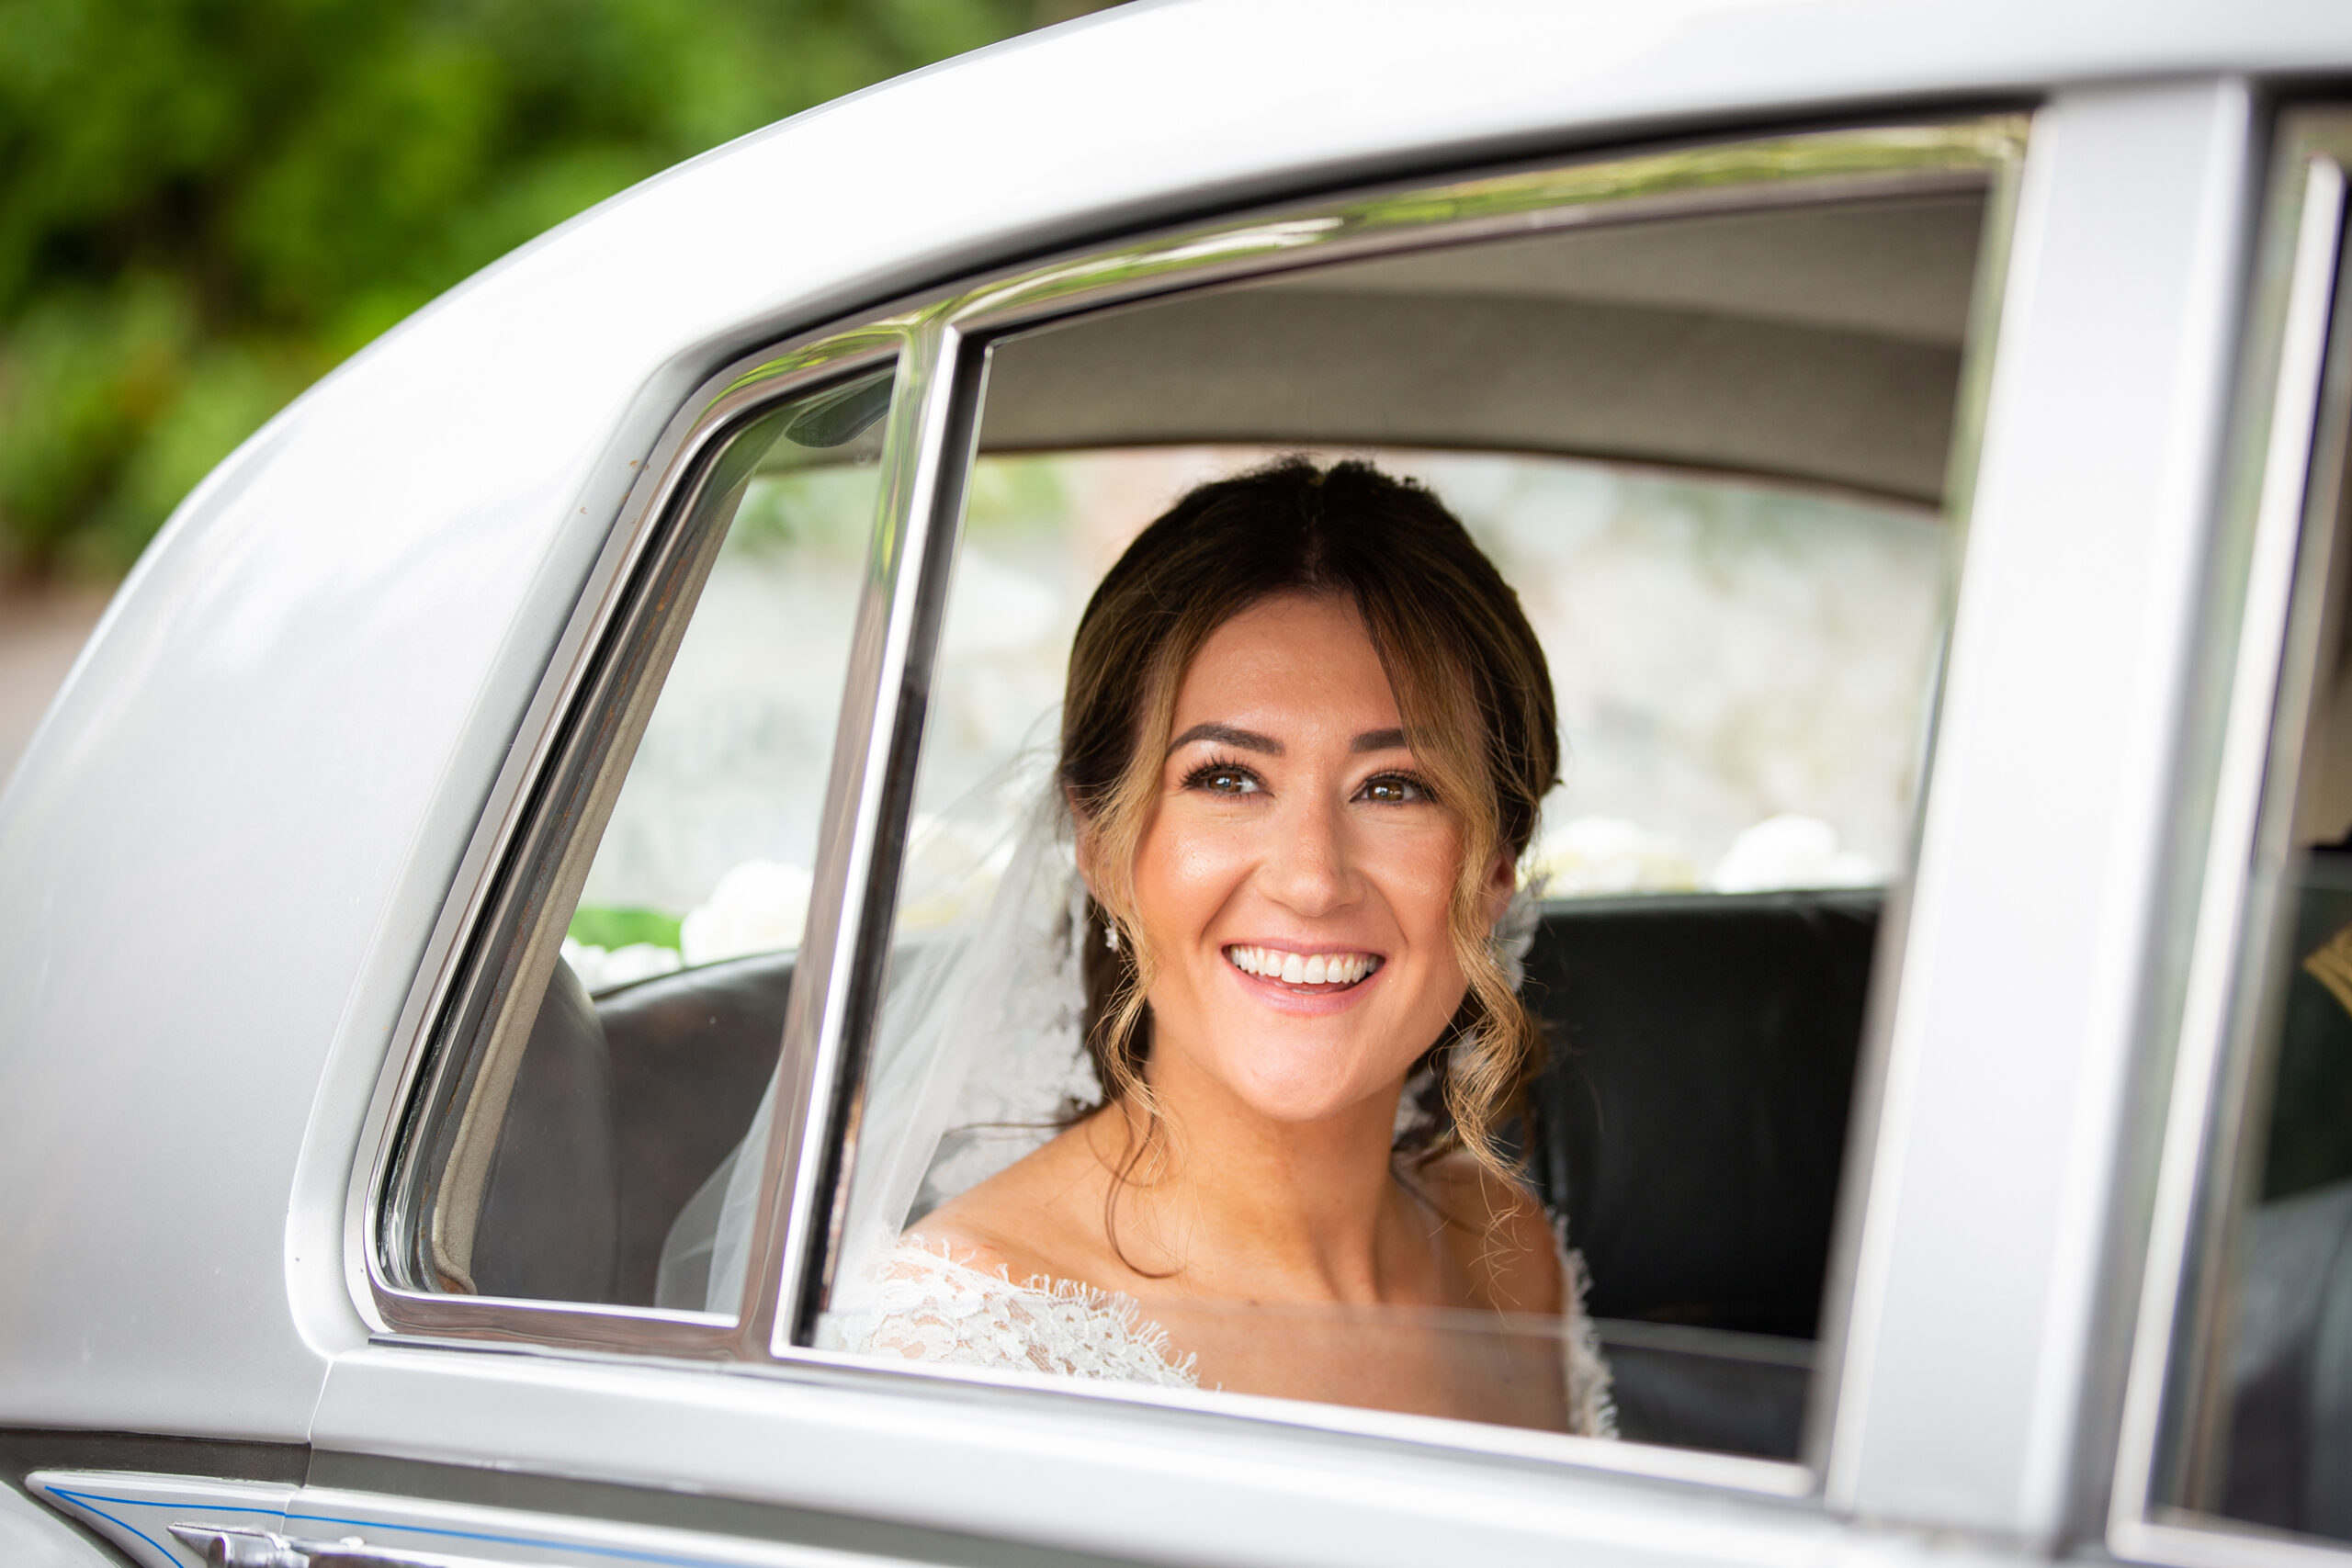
(1708, 454)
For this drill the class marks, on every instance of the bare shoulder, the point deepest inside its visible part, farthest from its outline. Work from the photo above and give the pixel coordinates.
(1502, 1234)
(1016, 1220)
(969, 1241)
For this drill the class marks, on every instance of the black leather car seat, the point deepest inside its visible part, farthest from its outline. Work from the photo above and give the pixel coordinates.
(1691, 1127)
(690, 1053)
(1693, 1119)
(549, 1221)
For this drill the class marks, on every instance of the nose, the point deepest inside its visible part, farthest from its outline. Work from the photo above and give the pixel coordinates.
(1308, 867)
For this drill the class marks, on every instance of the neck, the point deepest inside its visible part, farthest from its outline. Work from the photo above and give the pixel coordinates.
(1231, 1203)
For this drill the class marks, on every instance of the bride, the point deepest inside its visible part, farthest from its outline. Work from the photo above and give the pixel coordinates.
(1306, 734)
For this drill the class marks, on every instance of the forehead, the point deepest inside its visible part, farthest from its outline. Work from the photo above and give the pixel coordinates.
(1302, 656)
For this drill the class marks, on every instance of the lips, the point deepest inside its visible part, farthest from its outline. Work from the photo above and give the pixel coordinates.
(1322, 971)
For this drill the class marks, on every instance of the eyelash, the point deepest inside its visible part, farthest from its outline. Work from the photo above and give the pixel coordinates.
(1200, 777)
(1421, 791)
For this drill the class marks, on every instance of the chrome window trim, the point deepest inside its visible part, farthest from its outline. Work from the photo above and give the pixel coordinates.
(1801, 168)
(862, 827)
(941, 338)
(2270, 505)
(2223, 1545)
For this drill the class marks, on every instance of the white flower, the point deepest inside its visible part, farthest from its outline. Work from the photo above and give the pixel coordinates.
(1790, 851)
(759, 906)
(1608, 854)
(601, 971)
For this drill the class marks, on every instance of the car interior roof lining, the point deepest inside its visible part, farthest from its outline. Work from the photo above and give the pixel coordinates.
(1820, 343)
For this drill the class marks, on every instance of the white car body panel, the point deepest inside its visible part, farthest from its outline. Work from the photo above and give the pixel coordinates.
(1107, 1479)
(225, 851)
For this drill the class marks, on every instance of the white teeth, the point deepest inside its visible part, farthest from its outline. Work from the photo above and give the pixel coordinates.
(1294, 969)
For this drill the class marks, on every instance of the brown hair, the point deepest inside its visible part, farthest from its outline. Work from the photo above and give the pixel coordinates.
(1470, 682)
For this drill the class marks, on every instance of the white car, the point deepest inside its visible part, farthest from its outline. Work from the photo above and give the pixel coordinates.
(452, 917)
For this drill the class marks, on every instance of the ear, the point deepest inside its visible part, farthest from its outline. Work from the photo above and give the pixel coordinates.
(1502, 881)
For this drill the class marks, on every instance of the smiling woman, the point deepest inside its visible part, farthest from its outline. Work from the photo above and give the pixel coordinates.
(1298, 805)
(1444, 653)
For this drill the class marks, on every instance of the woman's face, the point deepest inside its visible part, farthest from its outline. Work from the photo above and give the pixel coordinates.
(1293, 877)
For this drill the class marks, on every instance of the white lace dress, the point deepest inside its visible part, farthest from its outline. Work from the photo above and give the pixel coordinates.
(920, 1303)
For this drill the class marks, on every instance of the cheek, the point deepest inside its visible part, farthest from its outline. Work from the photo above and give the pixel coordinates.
(1419, 871)
(1419, 875)
(1186, 871)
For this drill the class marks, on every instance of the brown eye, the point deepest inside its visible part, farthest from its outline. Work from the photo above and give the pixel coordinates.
(1223, 778)
(1393, 789)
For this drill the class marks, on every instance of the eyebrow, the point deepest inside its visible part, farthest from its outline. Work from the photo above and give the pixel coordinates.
(1225, 734)
(1250, 740)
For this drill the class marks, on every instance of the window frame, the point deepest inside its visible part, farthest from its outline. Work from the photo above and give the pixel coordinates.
(2276, 531)
(942, 339)
(582, 682)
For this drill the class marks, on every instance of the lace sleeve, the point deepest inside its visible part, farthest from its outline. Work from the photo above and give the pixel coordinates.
(920, 1304)
(1592, 1412)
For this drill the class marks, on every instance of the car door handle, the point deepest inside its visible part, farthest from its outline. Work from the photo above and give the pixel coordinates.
(233, 1547)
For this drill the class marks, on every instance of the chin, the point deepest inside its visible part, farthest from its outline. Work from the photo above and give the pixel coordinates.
(1295, 1070)
(1313, 1091)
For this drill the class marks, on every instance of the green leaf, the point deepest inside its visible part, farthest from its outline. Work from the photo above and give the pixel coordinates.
(596, 926)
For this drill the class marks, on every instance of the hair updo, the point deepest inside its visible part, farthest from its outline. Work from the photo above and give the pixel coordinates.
(1471, 685)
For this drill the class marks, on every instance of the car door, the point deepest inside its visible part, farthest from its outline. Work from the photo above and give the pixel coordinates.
(1799, 331)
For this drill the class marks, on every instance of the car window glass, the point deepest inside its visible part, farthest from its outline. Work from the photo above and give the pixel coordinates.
(2256, 1424)
(572, 1118)
(1708, 457)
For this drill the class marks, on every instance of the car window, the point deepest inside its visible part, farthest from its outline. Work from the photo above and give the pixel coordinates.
(595, 1076)
(1707, 454)
(2242, 1411)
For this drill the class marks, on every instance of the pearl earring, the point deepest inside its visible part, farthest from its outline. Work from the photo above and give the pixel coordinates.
(1111, 935)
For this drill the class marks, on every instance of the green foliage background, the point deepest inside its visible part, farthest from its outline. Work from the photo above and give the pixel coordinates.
(207, 204)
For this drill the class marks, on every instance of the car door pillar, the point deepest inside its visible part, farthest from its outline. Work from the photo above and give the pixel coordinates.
(1986, 1286)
